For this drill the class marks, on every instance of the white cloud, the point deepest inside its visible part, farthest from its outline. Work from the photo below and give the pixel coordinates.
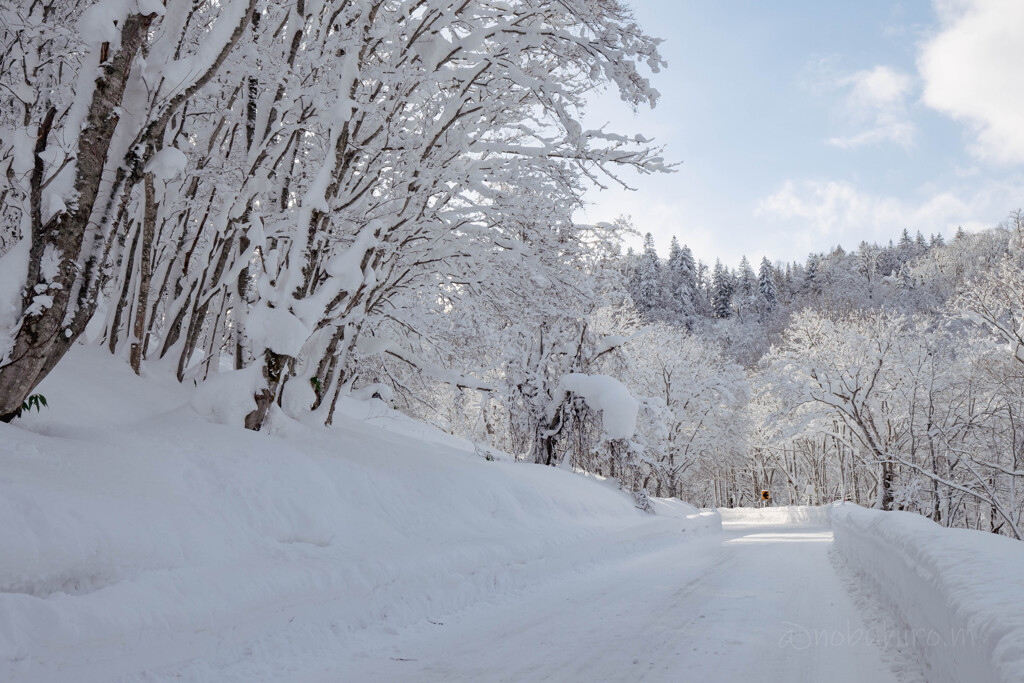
(973, 69)
(821, 214)
(805, 216)
(657, 213)
(875, 105)
(878, 87)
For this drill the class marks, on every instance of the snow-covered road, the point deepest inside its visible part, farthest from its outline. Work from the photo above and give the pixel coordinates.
(755, 603)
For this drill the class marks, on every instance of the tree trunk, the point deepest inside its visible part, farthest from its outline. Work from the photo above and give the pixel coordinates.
(276, 367)
(884, 500)
(145, 275)
(43, 337)
(114, 331)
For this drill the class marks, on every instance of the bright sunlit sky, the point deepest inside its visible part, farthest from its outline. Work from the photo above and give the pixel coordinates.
(802, 124)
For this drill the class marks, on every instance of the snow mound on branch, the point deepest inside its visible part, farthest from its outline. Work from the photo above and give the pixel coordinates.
(278, 329)
(612, 341)
(99, 22)
(167, 164)
(610, 396)
(297, 397)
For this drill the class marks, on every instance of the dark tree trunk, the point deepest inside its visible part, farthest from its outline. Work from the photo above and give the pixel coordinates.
(122, 301)
(138, 346)
(43, 337)
(885, 498)
(276, 368)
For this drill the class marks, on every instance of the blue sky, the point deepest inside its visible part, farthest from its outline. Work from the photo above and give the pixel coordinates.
(804, 124)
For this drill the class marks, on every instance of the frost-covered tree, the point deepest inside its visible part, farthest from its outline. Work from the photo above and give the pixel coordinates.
(396, 152)
(681, 281)
(692, 426)
(746, 280)
(721, 291)
(766, 287)
(646, 281)
(810, 279)
(93, 93)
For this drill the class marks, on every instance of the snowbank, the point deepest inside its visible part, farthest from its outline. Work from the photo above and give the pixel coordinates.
(139, 539)
(791, 514)
(693, 518)
(959, 592)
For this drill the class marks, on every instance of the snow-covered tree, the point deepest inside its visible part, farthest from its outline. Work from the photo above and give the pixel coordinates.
(646, 281)
(766, 287)
(721, 291)
(681, 281)
(94, 94)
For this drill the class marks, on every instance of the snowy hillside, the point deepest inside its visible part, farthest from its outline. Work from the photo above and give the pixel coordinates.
(138, 536)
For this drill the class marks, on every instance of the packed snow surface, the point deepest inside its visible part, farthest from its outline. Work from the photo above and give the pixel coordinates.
(143, 541)
(752, 603)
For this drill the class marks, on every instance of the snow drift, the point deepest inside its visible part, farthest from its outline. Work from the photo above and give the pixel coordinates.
(959, 592)
(141, 539)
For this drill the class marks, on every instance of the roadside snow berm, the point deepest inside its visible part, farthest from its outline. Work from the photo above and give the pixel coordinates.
(960, 593)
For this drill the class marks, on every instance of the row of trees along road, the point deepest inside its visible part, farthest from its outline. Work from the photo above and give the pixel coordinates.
(279, 180)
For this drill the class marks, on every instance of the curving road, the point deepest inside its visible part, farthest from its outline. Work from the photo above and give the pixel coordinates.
(754, 603)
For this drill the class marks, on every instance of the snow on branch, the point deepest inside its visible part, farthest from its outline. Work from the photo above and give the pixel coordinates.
(608, 395)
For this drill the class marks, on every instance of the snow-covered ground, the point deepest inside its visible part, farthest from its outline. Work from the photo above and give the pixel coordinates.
(140, 541)
(138, 537)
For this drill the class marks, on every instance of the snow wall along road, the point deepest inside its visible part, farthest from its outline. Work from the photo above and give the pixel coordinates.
(960, 593)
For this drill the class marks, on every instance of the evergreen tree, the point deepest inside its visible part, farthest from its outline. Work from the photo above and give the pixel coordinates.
(675, 252)
(646, 281)
(766, 285)
(905, 240)
(680, 280)
(721, 291)
(672, 275)
(704, 289)
(811, 274)
(688, 268)
(903, 279)
(905, 250)
(747, 280)
(937, 240)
